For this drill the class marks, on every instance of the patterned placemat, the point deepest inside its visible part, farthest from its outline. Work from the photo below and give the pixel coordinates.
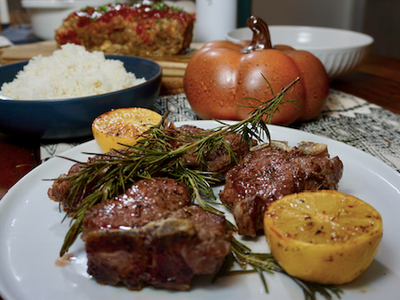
(345, 118)
(360, 124)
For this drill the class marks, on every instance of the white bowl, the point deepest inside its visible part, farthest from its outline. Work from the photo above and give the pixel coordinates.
(340, 51)
(47, 15)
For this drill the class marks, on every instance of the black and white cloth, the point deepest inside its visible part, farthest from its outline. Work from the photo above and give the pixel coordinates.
(360, 124)
(345, 118)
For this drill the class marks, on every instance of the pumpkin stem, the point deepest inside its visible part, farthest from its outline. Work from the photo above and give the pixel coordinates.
(261, 37)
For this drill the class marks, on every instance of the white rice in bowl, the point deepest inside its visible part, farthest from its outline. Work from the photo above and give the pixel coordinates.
(69, 72)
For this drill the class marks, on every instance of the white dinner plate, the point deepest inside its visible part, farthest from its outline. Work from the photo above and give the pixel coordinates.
(31, 234)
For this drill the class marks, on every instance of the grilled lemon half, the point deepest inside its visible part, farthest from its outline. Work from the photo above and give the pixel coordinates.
(325, 237)
(121, 127)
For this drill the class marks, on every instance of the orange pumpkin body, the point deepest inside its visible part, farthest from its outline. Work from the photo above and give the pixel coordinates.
(219, 76)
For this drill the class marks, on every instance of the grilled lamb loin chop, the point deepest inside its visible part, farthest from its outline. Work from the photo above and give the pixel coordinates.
(272, 172)
(130, 29)
(152, 235)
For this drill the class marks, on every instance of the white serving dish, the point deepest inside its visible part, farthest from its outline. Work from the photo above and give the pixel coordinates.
(340, 51)
(47, 15)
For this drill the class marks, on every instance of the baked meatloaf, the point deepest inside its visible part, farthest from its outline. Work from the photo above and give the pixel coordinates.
(272, 172)
(153, 235)
(130, 29)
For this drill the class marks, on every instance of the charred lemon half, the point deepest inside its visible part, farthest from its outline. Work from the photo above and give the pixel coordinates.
(325, 237)
(121, 127)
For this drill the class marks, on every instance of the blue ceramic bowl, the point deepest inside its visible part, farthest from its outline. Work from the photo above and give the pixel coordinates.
(72, 118)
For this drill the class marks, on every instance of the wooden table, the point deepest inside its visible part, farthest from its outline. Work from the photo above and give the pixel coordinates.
(377, 80)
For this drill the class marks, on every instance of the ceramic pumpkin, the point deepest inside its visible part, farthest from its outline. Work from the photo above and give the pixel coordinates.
(222, 74)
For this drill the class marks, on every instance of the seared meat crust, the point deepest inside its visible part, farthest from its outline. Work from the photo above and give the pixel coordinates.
(130, 29)
(218, 159)
(152, 236)
(270, 173)
(145, 201)
(60, 188)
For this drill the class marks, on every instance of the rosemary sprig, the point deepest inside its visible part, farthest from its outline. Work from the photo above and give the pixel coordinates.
(153, 155)
(109, 176)
(265, 262)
